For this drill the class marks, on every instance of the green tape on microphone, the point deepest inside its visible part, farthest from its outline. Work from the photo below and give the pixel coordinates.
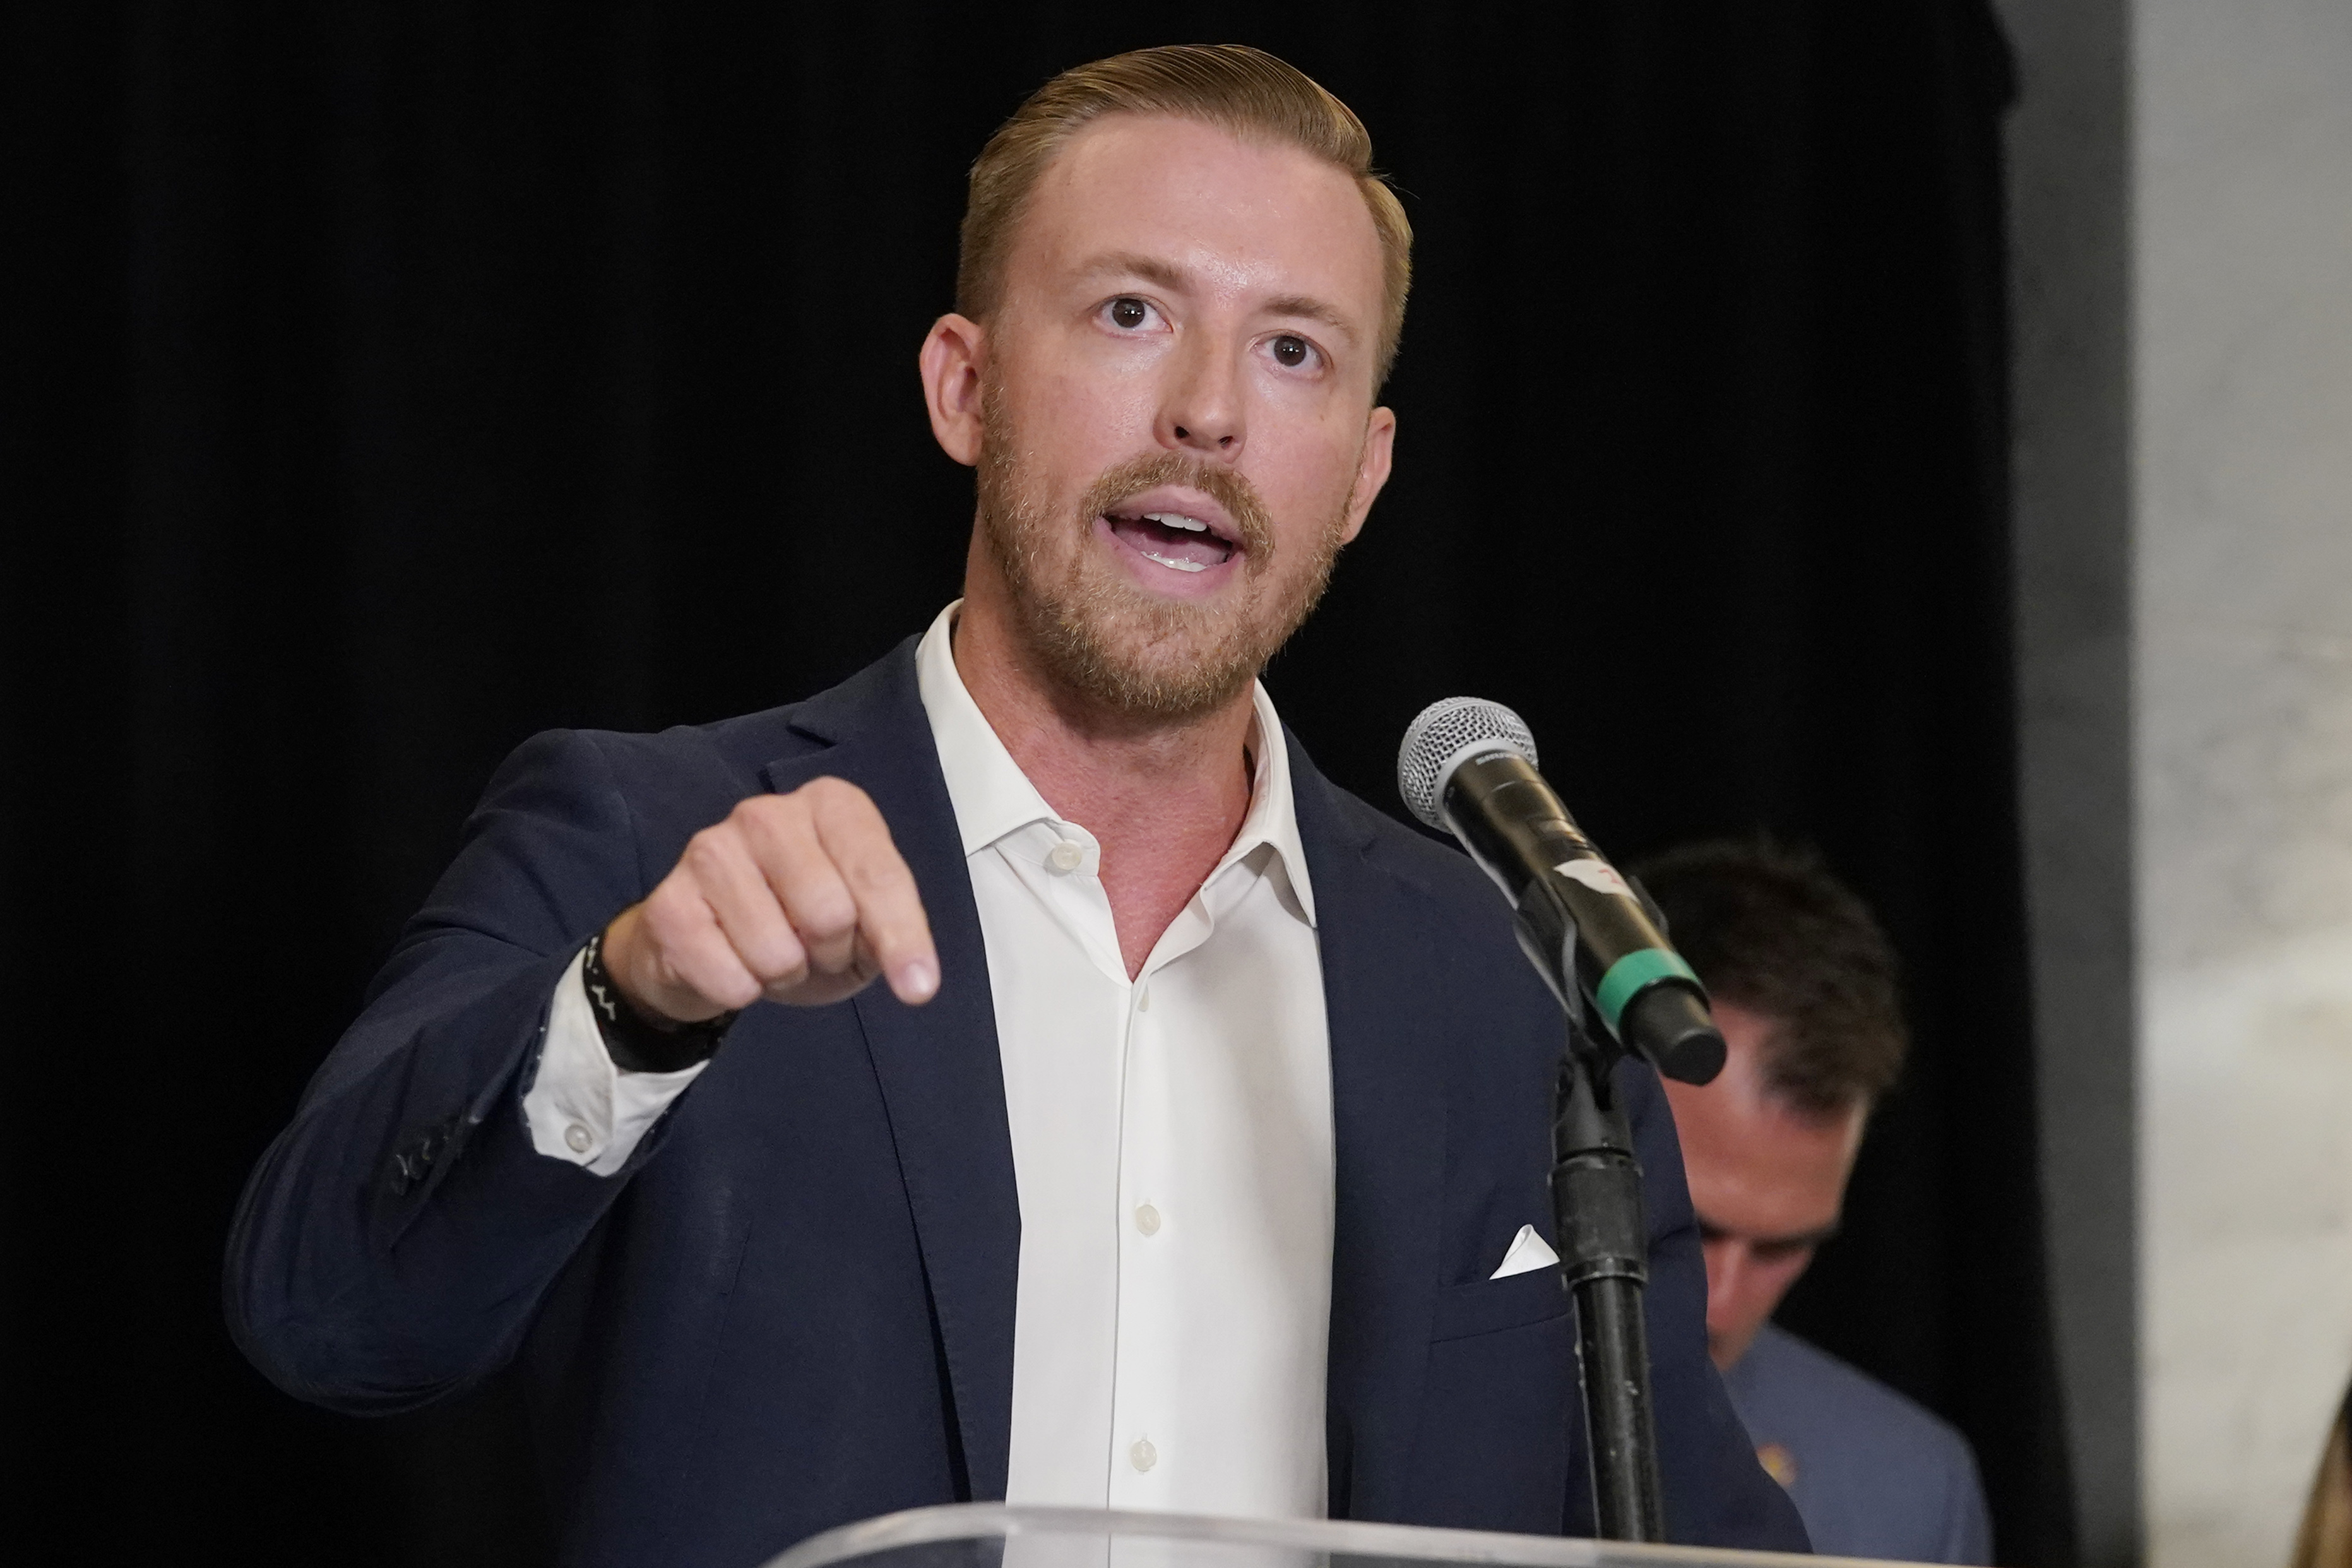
(1632, 973)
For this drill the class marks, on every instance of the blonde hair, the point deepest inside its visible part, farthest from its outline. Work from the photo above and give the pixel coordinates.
(2326, 1538)
(1236, 89)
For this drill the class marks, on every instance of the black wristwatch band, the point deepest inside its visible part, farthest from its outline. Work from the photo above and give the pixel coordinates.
(635, 1043)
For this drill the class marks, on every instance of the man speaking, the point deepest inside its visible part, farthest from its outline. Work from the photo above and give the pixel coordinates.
(1179, 1157)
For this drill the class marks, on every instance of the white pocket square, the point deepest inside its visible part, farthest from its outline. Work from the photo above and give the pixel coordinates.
(1528, 1251)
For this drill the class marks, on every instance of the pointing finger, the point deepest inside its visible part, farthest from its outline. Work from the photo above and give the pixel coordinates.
(890, 918)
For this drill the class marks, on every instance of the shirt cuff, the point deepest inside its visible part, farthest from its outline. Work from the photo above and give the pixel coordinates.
(582, 1108)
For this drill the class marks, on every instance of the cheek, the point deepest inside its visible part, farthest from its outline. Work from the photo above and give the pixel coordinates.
(1073, 425)
(1114, 411)
(1777, 1275)
(1073, 431)
(1306, 476)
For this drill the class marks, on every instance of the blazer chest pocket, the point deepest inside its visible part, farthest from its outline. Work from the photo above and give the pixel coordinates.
(1489, 1306)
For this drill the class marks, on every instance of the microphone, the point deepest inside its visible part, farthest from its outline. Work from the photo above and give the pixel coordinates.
(1468, 767)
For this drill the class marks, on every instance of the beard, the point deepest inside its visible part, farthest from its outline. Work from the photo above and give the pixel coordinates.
(1107, 641)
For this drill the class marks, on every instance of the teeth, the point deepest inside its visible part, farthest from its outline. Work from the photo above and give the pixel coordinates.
(1176, 519)
(1180, 565)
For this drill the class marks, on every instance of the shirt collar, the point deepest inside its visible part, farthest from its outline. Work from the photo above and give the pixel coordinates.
(992, 798)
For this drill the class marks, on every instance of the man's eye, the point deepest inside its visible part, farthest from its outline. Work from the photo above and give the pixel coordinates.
(1291, 353)
(1130, 313)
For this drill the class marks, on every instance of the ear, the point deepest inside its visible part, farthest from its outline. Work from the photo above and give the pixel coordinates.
(953, 354)
(1372, 470)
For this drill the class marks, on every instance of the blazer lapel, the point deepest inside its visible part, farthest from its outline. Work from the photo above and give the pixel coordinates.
(1388, 1100)
(941, 1082)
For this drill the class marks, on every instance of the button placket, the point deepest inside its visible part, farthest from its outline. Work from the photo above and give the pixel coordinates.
(1146, 1336)
(1055, 861)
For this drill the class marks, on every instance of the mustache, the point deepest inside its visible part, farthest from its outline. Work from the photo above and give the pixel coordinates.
(1229, 489)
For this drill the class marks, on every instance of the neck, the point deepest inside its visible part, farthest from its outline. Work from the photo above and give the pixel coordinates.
(1163, 797)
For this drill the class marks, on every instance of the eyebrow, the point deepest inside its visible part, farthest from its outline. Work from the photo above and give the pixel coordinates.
(1308, 308)
(1163, 274)
(1804, 1238)
(1152, 270)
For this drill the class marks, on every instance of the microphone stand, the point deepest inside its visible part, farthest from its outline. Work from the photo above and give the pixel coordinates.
(1596, 1195)
(1586, 931)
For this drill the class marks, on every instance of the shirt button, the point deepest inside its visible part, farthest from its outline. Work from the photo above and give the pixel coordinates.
(1143, 1000)
(1147, 1220)
(1143, 1455)
(1066, 856)
(576, 1138)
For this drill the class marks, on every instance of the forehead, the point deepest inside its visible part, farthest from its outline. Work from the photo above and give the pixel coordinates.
(1754, 1167)
(1238, 216)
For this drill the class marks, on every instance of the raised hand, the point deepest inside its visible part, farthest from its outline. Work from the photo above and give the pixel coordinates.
(801, 899)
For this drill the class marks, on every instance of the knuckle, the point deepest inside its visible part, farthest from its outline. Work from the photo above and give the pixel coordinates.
(765, 968)
(791, 965)
(840, 800)
(781, 821)
(829, 916)
(706, 849)
(882, 872)
(773, 813)
(773, 952)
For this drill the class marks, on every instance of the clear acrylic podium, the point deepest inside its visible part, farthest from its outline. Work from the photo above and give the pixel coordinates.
(992, 1535)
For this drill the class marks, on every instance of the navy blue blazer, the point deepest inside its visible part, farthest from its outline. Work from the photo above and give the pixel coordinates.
(793, 1307)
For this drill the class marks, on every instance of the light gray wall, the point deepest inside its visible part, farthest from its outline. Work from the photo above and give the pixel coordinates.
(2242, 472)
(2068, 146)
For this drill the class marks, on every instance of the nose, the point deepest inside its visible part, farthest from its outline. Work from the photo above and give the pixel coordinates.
(1200, 410)
(1726, 1269)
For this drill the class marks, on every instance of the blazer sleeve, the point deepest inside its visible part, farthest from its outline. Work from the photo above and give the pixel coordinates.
(394, 1241)
(1715, 1492)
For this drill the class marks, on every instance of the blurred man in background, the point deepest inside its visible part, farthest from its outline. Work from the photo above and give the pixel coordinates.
(1804, 984)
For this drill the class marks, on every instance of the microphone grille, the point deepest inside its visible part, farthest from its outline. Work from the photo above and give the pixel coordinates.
(1447, 735)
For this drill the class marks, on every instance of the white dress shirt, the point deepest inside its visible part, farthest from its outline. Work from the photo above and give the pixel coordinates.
(1172, 1143)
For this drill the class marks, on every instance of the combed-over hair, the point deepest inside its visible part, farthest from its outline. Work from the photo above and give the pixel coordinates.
(1768, 929)
(1244, 91)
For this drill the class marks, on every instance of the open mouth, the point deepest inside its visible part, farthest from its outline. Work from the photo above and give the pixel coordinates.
(1175, 540)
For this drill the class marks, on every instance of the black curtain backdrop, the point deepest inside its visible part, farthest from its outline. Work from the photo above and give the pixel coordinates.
(388, 382)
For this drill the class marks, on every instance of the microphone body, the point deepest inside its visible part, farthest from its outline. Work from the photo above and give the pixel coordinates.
(1586, 930)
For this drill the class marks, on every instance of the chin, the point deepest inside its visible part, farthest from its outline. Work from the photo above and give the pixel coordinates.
(1149, 660)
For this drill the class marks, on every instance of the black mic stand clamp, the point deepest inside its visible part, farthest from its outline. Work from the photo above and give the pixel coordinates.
(1596, 1197)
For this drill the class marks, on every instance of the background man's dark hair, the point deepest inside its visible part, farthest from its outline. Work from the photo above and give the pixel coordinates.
(1769, 929)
